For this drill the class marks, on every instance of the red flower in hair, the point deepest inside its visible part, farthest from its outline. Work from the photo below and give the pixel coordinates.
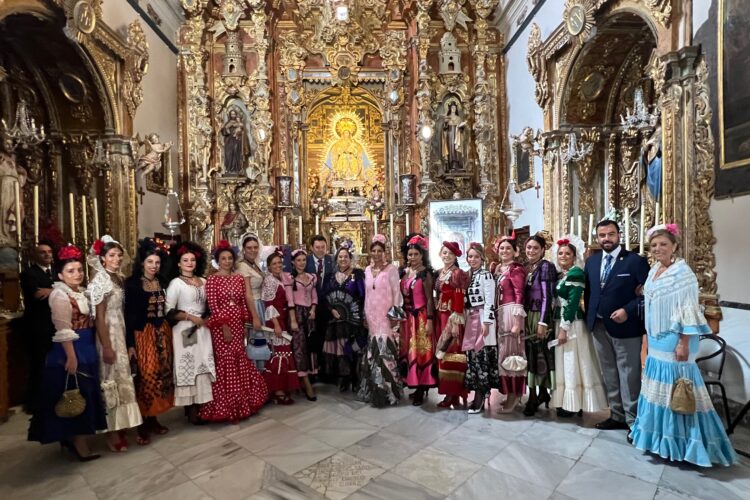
(69, 252)
(563, 241)
(419, 241)
(97, 247)
(223, 244)
(183, 250)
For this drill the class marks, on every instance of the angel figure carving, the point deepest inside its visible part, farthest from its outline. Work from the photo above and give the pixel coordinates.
(151, 161)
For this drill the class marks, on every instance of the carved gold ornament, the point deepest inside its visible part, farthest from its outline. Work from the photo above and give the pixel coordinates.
(579, 19)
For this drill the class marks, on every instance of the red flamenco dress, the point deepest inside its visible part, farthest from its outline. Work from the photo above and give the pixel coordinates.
(449, 290)
(239, 390)
(281, 370)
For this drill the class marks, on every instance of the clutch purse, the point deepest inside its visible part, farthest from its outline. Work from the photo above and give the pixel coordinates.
(514, 363)
(71, 403)
(110, 393)
(683, 397)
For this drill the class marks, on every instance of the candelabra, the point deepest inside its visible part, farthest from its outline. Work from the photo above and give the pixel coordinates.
(575, 153)
(513, 212)
(639, 117)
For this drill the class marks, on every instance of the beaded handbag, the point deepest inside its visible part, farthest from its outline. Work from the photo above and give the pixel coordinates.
(71, 403)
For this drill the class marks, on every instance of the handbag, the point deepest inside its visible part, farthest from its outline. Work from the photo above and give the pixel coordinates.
(71, 403)
(514, 363)
(683, 396)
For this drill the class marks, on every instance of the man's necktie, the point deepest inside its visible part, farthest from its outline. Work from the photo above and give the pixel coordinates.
(607, 269)
(48, 272)
(319, 271)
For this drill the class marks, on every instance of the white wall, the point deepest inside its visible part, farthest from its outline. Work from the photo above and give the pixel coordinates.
(158, 111)
(523, 109)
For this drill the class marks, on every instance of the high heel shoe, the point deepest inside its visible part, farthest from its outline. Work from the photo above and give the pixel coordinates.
(544, 398)
(531, 407)
(477, 405)
(70, 447)
(418, 398)
(563, 413)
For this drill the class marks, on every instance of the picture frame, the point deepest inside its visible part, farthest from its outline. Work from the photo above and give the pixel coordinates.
(454, 220)
(733, 80)
(156, 181)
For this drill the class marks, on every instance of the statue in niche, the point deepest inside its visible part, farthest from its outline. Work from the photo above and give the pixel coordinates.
(346, 158)
(651, 163)
(151, 160)
(236, 142)
(10, 173)
(234, 225)
(452, 138)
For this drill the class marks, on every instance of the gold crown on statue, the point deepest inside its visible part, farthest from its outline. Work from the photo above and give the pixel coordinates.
(346, 125)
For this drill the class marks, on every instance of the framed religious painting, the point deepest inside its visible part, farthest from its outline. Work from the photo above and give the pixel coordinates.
(733, 83)
(522, 158)
(454, 220)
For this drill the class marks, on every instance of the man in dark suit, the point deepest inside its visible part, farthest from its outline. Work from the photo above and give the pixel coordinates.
(613, 277)
(36, 283)
(319, 263)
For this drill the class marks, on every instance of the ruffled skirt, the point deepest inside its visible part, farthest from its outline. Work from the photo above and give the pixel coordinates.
(698, 438)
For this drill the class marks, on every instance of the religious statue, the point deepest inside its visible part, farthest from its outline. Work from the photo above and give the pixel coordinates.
(150, 161)
(346, 158)
(236, 142)
(452, 138)
(234, 225)
(651, 164)
(10, 173)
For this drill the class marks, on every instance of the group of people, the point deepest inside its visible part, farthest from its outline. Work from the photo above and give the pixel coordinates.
(263, 323)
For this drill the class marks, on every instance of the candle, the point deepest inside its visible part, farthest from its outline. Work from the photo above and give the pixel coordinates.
(168, 173)
(642, 231)
(71, 203)
(300, 231)
(375, 223)
(571, 227)
(627, 229)
(85, 221)
(96, 219)
(408, 225)
(591, 228)
(284, 230)
(392, 237)
(19, 220)
(657, 214)
(580, 226)
(317, 224)
(36, 214)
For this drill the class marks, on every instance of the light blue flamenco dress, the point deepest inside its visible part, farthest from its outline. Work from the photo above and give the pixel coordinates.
(672, 310)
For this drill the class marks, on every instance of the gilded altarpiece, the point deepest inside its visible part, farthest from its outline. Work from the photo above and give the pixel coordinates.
(626, 118)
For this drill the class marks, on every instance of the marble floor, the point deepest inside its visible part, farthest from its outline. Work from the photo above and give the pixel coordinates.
(337, 448)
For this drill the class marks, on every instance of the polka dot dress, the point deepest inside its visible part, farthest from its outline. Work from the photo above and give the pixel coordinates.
(239, 390)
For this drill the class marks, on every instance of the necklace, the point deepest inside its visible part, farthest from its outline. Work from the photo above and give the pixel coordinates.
(446, 273)
(150, 284)
(375, 272)
(191, 280)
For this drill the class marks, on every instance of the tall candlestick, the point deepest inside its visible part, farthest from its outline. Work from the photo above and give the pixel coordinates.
(657, 214)
(571, 227)
(72, 205)
(580, 226)
(19, 219)
(36, 214)
(408, 223)
(300, 232)
(96, 219)
(168, 173)
(591, 228)
(627, 229)
(393, 255)
(317, 224)
(642, 231)
(375, 223)
(85, 220)
(285, 230)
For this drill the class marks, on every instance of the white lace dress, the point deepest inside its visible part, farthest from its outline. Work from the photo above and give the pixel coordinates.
(125, 414)
(194, 370)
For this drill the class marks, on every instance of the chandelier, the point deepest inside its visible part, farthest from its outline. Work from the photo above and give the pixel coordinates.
(639, 117)
(514, 211)
(24, 132)
(575, 153)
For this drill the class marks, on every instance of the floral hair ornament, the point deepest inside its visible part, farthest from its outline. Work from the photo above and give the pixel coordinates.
(98, 245)
(69, 252)
(419, 241)
(673, 229)
(299, 251)
(182, 250)
(379, 238)
(500, 239)
(454, 248)
(222, 246)
(575, 242)
(563, 241)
